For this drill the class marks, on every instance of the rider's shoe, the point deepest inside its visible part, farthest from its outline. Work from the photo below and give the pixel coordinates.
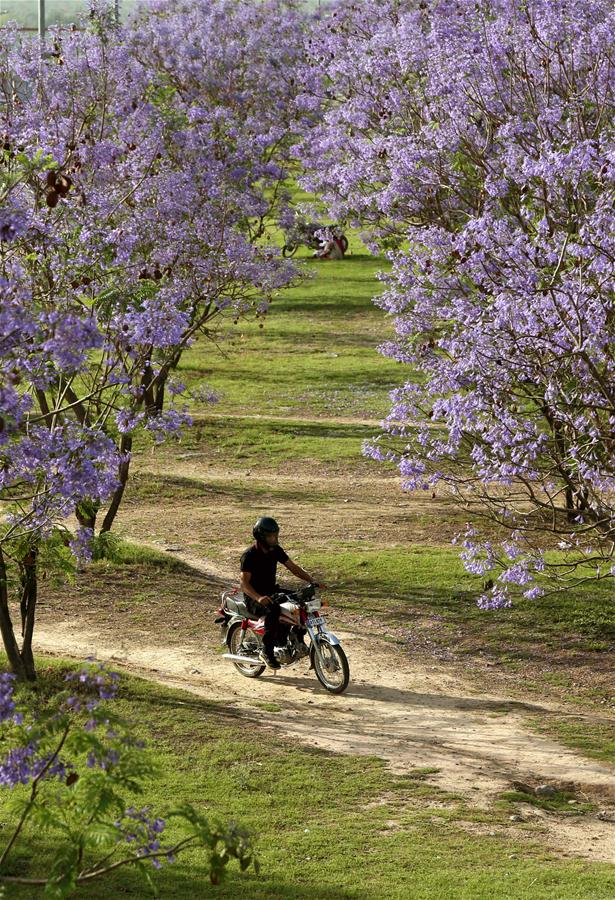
(270, 661)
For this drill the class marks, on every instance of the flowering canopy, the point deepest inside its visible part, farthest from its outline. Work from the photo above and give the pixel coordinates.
(129, 220)
(479, 141)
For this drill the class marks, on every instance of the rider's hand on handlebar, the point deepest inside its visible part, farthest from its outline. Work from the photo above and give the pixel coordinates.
(265, 601)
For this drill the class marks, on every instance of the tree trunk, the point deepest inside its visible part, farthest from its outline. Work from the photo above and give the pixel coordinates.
(29, 583)
(570, 508)
(16, 662)
(124, 468)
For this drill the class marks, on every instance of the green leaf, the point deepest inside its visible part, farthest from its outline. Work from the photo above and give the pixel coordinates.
(63, 873)
(101, 835)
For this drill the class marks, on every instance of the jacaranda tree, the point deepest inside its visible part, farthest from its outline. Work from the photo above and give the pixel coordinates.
(478, 141)
(126, 232)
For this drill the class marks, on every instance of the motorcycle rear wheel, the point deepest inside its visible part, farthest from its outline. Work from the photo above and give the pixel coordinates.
(252, 645)
(334, 671)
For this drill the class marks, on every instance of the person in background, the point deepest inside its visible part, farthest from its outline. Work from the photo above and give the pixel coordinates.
(331, 248)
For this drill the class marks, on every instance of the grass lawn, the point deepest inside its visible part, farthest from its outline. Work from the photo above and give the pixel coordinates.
(279, 440)
(326, 826)
(315, 355)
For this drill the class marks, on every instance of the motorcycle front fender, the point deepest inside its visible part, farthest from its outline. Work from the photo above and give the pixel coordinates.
(329, 637)
(323, 634)
(315, 636)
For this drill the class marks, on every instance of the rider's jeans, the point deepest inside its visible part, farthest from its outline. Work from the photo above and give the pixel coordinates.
(272, 619)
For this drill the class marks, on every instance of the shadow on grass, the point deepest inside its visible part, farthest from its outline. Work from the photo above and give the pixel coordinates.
(305, 428)
(405, 608)
(137, 556)
(264, 888)
(192, 703)
(179, 489)
(565, 617)
(315, 374)
(174, 883)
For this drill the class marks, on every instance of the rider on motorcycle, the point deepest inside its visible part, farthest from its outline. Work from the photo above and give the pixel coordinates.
(258, 580)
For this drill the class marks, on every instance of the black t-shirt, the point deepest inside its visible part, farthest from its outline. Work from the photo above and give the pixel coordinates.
(262, 567)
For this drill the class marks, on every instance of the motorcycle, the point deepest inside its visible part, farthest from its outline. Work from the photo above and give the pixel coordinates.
(300, 613)
(311, 234)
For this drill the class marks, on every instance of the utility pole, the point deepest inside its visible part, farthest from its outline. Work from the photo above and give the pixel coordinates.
(41, 19)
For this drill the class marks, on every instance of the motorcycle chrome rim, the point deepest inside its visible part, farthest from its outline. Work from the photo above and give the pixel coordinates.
(330, 666)
(250, 647)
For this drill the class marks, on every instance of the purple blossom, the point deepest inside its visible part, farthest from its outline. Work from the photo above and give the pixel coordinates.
(143, 831)
(81, 544)
(13, 223)
(22, 764)
(19, 766)
(497, 598)
(96, 680)
(125, 245)
(7, 702)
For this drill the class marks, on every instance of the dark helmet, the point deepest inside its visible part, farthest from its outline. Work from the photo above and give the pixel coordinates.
(264, 526)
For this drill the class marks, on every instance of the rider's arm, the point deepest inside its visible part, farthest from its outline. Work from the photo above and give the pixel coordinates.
(247, 589)
(298, 571)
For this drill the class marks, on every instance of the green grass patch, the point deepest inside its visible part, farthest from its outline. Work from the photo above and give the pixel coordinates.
(431, 579)
(268, 707)
(278, 440)
(596, 740)
(316, 354)
(327, 826)
(564, 802)
(110, 548)
(173, 489)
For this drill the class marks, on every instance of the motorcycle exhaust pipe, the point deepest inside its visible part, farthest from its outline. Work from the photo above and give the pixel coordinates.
(246, 660)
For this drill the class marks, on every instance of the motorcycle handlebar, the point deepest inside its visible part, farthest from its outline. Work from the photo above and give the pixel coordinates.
(300, 596)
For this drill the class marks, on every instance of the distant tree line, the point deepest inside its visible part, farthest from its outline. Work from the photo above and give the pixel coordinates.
(57, 12)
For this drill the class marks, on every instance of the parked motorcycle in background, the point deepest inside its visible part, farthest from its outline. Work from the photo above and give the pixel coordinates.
(312, 235)
(301, 613)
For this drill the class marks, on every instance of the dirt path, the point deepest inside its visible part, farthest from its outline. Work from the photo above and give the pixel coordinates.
(414, 716)
(291, 417)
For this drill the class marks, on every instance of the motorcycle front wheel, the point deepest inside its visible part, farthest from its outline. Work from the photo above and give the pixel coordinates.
(289, 250)
(332, 670)
(251, 646)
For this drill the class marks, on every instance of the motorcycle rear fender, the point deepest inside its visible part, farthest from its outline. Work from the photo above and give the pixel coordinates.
(257, 625)
(232, 621)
